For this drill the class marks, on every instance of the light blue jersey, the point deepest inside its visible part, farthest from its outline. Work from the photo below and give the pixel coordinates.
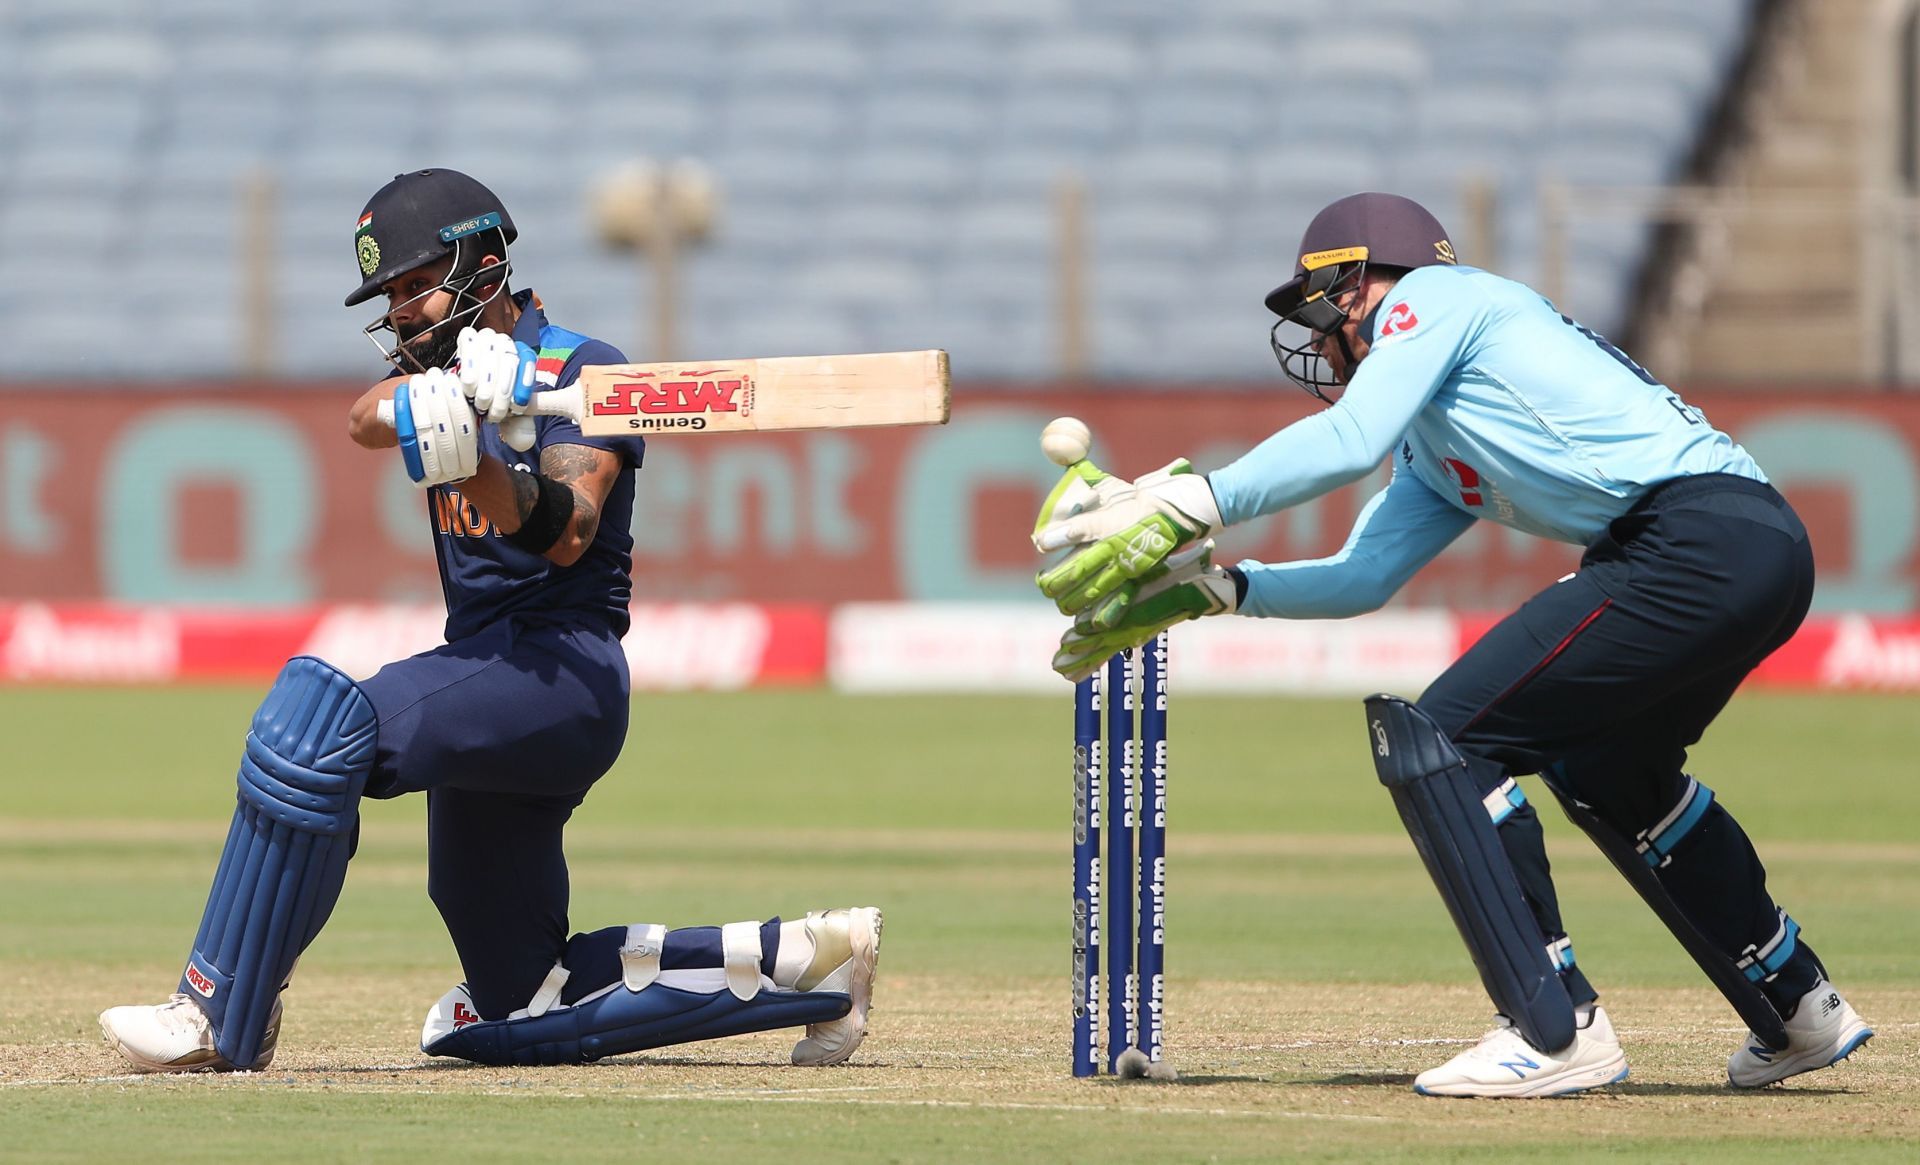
(1494, 406)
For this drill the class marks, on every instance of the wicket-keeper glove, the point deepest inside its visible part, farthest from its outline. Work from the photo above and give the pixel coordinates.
(1122, 534)
(1185, 586)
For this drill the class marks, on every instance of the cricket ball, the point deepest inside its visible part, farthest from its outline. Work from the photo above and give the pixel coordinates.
(1066, 440)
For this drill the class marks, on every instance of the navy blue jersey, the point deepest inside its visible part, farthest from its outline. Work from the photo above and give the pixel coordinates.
(484, 576)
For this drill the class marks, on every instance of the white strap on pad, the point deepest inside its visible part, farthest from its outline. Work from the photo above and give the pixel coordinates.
(549, 993)
(740, 952)
(640, 954)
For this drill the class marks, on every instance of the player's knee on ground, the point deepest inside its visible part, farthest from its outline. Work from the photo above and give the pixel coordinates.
(672, 988)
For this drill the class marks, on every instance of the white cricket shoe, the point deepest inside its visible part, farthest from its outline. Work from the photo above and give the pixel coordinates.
(846, 949)
(1824, 1030)
(1504, 1064)
(176, 1036)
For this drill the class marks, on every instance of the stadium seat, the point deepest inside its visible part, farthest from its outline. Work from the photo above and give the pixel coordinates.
(101, 57)
(1172, 171)
(1197, 116)
(1010, 227)
(649, 122)
(932, 175)
(1009, 285)
(905, 158)
(1153, 228)
(798, 58)
(797, 177)
(784, 118)
(909, 229)
(1257, 61)
(993, 345)
(966, 61)
(1087, 59)
(939, 118)
(1068, 118)
(788, 328)
(772, 231)
(1127, 285)
(1315, 177)
(1006, 16)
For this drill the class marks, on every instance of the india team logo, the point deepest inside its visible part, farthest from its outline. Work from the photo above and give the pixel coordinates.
(364, 247)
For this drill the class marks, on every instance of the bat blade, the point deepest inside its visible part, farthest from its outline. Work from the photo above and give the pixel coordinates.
(768, 394)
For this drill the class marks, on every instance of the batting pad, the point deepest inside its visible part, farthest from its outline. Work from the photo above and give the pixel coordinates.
(1451, 824)
(306, 762)
(617, 1020)
(1644, 876)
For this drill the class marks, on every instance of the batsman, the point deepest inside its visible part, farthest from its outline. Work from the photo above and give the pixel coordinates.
(1493, 405)
(504, 728)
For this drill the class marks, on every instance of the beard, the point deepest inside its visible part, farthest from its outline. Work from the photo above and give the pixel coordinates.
(429, 345)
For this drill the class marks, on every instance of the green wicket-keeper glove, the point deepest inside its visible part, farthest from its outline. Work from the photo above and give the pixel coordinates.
(1122, 532)
(1185, 586)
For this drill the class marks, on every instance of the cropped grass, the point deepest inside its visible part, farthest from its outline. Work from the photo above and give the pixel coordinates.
(1312, 969)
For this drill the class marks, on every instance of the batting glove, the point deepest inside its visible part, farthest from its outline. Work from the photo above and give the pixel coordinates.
(496, 372)
(439, 435)
(1122, 533)
(1185, 586)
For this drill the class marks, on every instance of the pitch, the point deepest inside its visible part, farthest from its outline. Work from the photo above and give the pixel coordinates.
(1311, 971)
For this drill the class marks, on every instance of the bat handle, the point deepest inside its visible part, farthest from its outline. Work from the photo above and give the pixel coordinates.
(569, 402)
(561, 402)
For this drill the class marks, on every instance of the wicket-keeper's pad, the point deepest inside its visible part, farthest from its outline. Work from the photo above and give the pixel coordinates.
(645, 1008)
(306, 762)
(1452, 825)
(1638, 864)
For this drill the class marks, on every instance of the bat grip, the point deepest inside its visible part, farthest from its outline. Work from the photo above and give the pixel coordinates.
(569, 402)
(560, 402)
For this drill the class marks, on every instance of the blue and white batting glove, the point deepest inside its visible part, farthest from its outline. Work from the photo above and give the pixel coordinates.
(496, 372)
(439, 434)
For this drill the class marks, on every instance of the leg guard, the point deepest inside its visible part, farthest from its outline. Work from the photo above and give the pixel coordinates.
(1637, 863)
(306, 762)
(1451, 822)
(617, 1019)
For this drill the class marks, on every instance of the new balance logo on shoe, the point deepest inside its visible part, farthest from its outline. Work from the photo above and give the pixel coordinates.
(1830, 1004)
(1516, 1065)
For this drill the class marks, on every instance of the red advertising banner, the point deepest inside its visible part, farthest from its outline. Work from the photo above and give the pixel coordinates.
(256, 498)
(860, 647)
(720, 646)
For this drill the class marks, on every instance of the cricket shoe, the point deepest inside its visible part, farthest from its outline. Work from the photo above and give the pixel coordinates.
(176, 1036)
(1824, 1030)
(1503, 1064)
(846, 949)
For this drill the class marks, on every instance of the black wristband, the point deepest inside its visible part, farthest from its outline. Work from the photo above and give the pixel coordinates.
(552, 513)
(1239, 578)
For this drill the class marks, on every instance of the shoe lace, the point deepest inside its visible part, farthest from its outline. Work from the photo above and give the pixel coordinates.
(180, 1014)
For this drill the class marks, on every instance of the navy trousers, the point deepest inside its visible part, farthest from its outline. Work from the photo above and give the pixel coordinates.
(1605, 679)
(505, 731)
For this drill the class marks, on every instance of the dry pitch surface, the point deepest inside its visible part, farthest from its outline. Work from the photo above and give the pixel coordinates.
(1312, 973)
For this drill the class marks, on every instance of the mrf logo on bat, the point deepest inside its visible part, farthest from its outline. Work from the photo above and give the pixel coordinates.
(679, 400)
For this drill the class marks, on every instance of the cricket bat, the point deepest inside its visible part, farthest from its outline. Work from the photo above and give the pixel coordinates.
(769, 394)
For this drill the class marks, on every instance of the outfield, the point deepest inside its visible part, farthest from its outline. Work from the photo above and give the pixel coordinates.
(1312, 970)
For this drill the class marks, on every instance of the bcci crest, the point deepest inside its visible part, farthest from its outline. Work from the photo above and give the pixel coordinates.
(368, 253)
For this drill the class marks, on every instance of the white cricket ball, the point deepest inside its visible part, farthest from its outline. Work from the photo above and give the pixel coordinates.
(1066, 440)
